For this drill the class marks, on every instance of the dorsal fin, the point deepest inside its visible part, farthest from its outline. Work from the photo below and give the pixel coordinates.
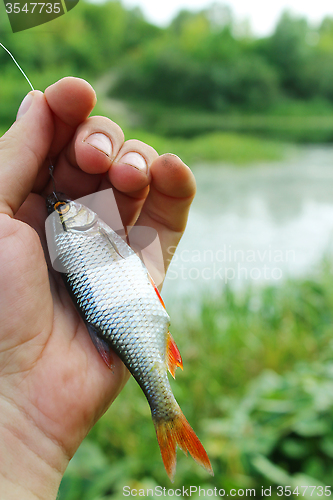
(156, 290)
(173, 357)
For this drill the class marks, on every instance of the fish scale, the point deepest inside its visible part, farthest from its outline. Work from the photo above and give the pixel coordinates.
(78, 253)
(123, 310)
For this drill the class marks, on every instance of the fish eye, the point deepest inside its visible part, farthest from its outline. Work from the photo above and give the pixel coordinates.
(61, 207)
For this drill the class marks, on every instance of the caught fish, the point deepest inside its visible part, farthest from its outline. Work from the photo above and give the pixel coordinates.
(123, 311)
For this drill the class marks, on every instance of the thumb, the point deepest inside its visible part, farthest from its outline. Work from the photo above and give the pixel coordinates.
(23, 149)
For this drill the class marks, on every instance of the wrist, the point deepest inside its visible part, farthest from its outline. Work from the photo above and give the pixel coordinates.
(31, 463)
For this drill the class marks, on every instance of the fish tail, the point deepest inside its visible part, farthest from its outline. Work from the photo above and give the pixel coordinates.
(177, 431)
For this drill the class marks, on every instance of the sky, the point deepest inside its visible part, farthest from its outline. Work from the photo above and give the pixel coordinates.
(262, 15)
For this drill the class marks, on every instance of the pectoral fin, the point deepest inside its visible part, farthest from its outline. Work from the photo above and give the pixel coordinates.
(111, 242)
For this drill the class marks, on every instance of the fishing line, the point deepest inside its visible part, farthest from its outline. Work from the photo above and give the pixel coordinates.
(17, 64)
(51, 167)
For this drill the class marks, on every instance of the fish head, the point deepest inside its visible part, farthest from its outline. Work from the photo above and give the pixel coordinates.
(71, 213)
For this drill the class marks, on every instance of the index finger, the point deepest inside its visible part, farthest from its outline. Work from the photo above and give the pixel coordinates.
(70, 100)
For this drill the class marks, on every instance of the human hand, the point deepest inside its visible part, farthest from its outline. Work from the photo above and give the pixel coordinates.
(53, 384)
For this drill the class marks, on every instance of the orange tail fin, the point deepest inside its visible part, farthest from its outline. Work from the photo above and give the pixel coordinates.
(178, 431)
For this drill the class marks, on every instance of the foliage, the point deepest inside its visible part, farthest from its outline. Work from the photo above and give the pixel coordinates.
(170, 76)
(202, 73)
(257, 386)
(203, 64)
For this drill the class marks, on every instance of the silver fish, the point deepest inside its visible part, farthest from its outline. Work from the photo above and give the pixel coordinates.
(124, 311)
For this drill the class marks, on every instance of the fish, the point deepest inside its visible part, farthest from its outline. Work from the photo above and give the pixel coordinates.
(125, 313)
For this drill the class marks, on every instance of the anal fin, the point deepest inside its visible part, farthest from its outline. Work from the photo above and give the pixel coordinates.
(173, 357)
(101, 345)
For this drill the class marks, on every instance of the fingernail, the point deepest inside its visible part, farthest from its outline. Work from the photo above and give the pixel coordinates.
(136, 160)
(25, 105)
(100, 142)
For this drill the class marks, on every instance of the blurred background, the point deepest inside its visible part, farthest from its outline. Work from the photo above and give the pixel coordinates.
(244, 94)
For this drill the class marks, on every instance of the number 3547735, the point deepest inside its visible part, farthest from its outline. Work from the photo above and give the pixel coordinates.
(316, 491)
(30, 8)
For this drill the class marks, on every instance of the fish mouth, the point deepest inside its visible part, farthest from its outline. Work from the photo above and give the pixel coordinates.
(54, 198)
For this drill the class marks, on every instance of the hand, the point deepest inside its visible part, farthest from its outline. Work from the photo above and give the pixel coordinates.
(53, 384)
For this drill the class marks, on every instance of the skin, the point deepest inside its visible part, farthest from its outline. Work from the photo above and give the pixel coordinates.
(53, 384)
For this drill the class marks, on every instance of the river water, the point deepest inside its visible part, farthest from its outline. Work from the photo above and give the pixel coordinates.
(256, 224)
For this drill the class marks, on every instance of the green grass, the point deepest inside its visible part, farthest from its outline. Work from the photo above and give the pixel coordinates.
(290, 121)
(290, 128)
(214, 147)
(257, 387)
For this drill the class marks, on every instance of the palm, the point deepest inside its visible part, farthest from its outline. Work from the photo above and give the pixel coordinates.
(52, 371)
